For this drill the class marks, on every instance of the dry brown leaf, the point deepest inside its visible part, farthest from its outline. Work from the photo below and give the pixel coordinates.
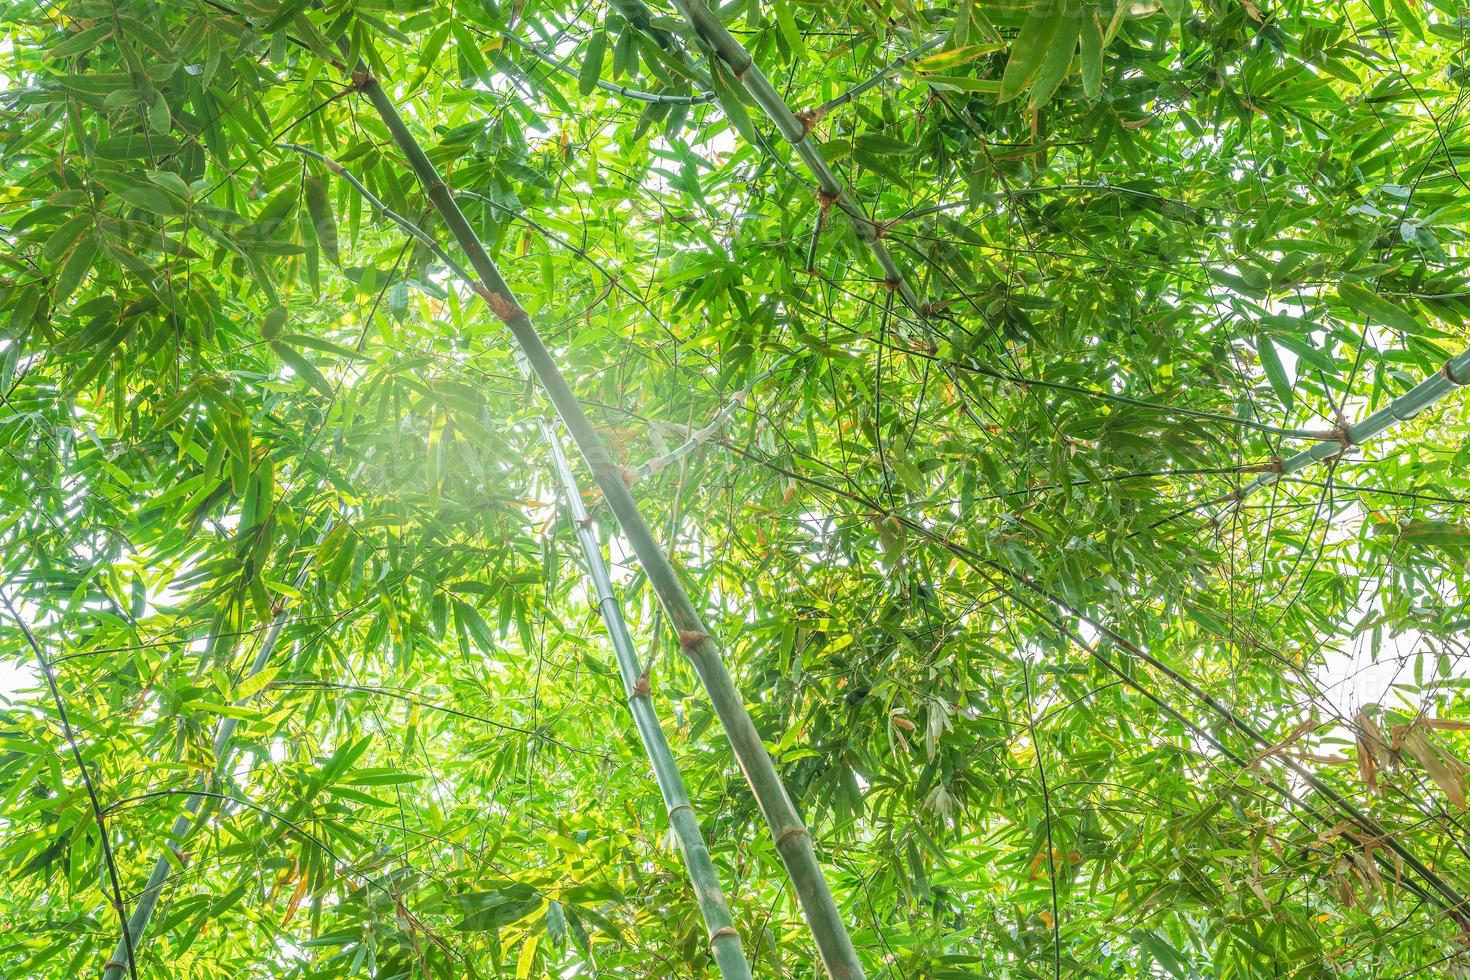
(1447, 772)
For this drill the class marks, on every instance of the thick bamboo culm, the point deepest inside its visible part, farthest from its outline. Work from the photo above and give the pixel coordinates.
(792, 839)
(724, 940)
(223, 737)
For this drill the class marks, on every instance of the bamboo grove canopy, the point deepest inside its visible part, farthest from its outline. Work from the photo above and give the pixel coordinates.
(999, 465)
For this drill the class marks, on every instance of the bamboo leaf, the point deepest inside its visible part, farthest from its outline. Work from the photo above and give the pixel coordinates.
(1377, 308)
(304, 368)
(1275, 370)
(1031, 46)
(1091, 52)
(592, 63)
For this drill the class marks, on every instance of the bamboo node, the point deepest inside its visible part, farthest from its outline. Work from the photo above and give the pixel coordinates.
(629, 474)
(809, 119)
(1341, 434)
(826, 199)
(721, 932)
(502, 306)
(790, 832)
(689, 639)
(360, 80)
(1449, 375)
(585, 523)
(1275, 466)
(701, 436)
(114, 963)
(880, 230)
(739, 397)
(740, 72)
(438, 185)
(642, 686)
(892, 284)
(656, 465)
(677, 807)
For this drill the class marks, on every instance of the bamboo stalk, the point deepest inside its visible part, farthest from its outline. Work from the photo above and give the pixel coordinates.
(724, 940)
(1454, 374)
(877, 78)
(795, 129)
(792, 839)
(223, 736)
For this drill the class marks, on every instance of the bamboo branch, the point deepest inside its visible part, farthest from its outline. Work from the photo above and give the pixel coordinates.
(723, 938)
(1454, 374)
(796, 129)
(902, 61)
(698, 437)
(792, 839)
(223, 736)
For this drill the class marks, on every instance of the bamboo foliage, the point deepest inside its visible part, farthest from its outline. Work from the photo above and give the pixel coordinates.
(124, 957)
(1052, 408)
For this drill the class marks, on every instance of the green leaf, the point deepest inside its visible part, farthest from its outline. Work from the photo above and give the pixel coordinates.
(1091, 52)
(592, 63)
(303, 368)
(1275, 370)
(323, 222)
(1377, 308)
(75, 269)
(1031, 46)
(256, 683)
(1059, 54)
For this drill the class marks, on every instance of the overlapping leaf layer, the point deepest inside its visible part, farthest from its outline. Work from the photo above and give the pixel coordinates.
(1054, 698)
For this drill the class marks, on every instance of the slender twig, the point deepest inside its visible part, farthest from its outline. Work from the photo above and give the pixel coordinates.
(97, 812)
(896, 64)
(1454, 374)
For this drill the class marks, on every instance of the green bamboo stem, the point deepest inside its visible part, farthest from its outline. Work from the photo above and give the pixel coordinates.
(184, 823)
(1454, 374)
(796, 131)
(724, 940)
(792, 839)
